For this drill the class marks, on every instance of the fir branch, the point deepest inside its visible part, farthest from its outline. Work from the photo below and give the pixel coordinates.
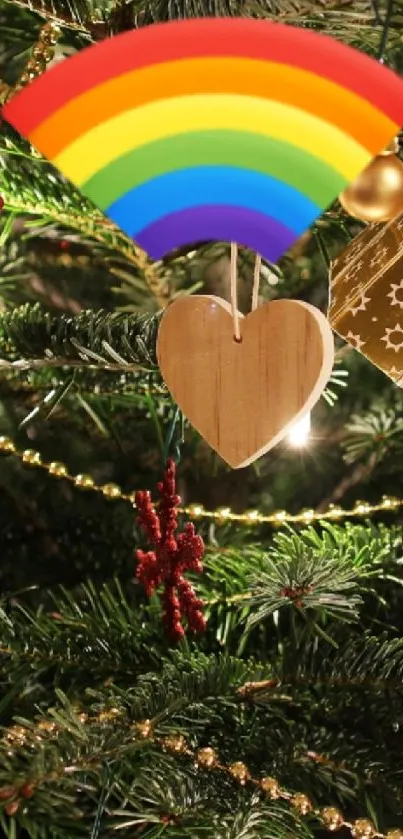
(368, 662)
(85, 16)
(99, 629)
(373, 436)
(185, 684)
(31, 187)
(328, 567)
(123, 387)
(305, 582)
(31, 338)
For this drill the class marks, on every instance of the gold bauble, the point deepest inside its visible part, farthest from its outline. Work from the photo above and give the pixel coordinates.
(332, 818)
(57, 469)
(239, 771)
(31, 457)
(377, 194)
(84, 481)
(111, 491)
(396, 833)
(302, 803)
(206, 757)
(6, 445)
(363, 829)
(271, 787)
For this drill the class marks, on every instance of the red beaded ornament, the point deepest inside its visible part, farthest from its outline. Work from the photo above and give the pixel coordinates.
(171, 557)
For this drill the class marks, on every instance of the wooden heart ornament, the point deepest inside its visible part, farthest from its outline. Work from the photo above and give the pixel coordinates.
(244, 397)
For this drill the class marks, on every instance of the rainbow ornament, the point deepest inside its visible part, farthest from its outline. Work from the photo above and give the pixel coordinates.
(212, 129)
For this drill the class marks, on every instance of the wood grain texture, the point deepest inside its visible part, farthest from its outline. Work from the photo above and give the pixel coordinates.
(243, 398)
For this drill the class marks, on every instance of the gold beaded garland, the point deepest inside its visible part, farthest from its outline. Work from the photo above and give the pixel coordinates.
(109, 715)
(6, 445)
(111, 491)
(50, 33)
(59, 470)
(143, 728)
(363, 829)
(332, 818)
(42, 54)
(240, 772)
(17, 735)
(84, 481)
(47, 726)
(24, 79)
(271, 787)
(301, 803)
(175, 743)
(206, 757)
(276, 519)
(31, 457)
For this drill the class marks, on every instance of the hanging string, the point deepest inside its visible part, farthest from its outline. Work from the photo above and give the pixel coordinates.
(234, 289)
(234, 292)
(256, 282)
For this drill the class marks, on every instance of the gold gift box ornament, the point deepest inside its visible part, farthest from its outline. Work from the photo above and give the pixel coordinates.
(366, 296)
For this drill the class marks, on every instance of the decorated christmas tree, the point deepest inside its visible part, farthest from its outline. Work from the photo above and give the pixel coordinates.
(191, 646)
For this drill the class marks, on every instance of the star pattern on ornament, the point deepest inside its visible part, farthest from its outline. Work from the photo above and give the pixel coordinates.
(396, 375)
(391, 332)
(379, 257)
(393, 294)
(355, 339)
(362, 305)
(354, 247)
(353, 271)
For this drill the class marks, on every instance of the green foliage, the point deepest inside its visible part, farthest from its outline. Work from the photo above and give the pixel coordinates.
(100, 338)
(375, 436)
(300, 671)
(291, 696)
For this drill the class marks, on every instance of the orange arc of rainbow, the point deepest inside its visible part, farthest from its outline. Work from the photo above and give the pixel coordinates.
(329, 102)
